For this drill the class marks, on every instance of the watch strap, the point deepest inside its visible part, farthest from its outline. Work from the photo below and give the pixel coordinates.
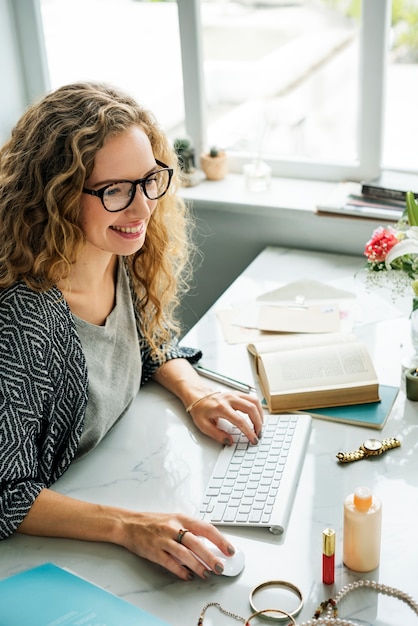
(389, 443)
(349, 457)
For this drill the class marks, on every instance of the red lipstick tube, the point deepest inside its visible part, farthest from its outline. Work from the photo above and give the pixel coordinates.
(328, 556)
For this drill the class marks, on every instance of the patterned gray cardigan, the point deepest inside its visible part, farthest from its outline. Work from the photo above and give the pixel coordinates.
(43, 395)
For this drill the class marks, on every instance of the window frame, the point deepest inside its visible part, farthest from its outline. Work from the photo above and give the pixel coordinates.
(27, 18)
(374, 40)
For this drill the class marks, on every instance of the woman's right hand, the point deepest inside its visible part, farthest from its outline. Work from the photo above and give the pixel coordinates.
(152, 536)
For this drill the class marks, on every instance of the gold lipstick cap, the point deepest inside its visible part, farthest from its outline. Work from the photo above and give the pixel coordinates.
(328, 542)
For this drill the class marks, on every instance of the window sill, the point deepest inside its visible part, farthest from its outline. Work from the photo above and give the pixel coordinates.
(288, 212)
(232, 194)
(291, 198)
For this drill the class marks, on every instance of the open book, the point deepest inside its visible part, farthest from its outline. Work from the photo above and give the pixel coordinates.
(303, 371)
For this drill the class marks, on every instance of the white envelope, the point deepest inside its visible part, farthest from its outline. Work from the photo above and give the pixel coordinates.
(305, 291)
(312, 318)
(242, 324)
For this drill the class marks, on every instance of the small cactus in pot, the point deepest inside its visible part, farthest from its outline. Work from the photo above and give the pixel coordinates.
(214, 163)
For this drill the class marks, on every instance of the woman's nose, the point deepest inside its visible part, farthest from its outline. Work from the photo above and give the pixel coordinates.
(141, 202)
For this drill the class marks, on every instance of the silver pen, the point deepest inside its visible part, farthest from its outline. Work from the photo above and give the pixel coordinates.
(225, 380)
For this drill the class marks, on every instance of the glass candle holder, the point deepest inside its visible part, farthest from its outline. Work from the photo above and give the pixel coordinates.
(257, 176)
(411, 384)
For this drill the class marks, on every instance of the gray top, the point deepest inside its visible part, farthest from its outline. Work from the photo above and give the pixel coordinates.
(113, 363)
(44, 392)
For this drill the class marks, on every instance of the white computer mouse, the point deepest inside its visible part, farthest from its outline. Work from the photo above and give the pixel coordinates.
(233, 565)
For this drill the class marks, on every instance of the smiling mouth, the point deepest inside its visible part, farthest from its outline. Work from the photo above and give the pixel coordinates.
(126, 229)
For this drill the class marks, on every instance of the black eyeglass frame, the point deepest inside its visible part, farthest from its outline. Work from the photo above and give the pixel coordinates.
(141, 181)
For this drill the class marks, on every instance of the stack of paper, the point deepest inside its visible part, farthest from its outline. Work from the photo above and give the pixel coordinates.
(303, 306)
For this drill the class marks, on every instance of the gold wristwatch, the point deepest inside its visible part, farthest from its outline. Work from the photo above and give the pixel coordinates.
(371, 447)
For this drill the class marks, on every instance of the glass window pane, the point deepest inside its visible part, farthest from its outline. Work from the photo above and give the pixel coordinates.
(130, 43)
(401, 112)
(282, 78)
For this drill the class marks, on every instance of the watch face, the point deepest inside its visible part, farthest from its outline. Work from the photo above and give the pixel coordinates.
(372, 444)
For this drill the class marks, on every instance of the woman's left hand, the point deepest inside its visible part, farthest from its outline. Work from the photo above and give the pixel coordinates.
(240, 409)
(210, 408)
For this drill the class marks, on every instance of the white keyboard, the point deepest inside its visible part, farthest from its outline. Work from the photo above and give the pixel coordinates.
(255, 485)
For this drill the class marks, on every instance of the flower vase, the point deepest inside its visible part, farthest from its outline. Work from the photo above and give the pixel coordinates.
(414, 325)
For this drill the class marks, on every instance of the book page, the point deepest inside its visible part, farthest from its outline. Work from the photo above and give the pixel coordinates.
(320, 367)
(299, 341)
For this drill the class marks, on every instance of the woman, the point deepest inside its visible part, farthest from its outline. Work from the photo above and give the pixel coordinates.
(94, 253)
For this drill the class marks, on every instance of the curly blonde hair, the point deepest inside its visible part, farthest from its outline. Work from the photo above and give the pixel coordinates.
(43, 168)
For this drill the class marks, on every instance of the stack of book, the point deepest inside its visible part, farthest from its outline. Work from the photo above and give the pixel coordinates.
(377, 198)
(330, 376)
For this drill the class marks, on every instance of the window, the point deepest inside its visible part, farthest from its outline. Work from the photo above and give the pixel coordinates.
(280, 77)
(132, 44)
(401, 119)
(311, 86)
(332, 112)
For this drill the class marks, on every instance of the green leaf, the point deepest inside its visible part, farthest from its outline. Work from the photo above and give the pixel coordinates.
(411, 208)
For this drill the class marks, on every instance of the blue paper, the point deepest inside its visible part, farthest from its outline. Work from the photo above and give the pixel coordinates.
(50, 596)
(373, 414)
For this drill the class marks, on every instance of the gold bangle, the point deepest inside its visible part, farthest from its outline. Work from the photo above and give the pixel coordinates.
(277, 583)
(261, 614)
(193, 404)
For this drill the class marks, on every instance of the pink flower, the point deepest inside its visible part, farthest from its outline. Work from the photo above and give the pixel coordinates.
(382, 241)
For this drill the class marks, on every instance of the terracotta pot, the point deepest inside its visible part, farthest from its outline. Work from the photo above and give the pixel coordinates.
(214, 168)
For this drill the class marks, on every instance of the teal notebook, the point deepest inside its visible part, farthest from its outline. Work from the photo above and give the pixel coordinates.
(373, 415)
(50, 596)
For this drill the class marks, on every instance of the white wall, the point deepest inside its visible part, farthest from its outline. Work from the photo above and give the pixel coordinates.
(230, 236)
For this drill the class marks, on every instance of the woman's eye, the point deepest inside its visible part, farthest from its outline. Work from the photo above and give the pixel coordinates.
(115, 190)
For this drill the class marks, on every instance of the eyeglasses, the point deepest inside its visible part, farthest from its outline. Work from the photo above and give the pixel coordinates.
(119, 195)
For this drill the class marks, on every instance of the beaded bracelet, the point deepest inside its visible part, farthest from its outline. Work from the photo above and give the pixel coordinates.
(193, 404)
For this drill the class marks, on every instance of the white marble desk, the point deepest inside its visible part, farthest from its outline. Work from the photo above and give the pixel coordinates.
(154, 459)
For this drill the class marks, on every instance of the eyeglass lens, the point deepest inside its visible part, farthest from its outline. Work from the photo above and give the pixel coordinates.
(117, 196)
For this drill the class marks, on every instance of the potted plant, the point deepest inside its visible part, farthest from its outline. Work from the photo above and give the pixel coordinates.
(214, 163)
(184, 149)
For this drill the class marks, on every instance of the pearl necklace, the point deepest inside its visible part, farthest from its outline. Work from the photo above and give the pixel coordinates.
(330, 606)
(331, 618)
